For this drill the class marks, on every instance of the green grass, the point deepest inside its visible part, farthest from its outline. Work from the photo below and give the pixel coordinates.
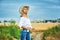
(7, 32)
(51, 32)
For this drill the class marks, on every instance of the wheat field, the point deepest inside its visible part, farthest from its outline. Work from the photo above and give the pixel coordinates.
(40, 26)
(44, 26)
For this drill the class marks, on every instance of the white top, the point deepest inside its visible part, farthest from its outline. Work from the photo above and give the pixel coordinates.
(25, 22)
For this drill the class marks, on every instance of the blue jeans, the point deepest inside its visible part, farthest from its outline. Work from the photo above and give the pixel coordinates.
(25, 35)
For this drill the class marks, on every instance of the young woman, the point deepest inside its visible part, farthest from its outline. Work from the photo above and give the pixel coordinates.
(25, 23)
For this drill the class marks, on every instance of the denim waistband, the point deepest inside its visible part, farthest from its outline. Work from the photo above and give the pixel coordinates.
(25, 30)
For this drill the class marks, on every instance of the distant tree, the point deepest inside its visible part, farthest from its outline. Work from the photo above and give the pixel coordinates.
(58, 20)
(54, 21)
(0, 21)
(5, 20)
(12, 21)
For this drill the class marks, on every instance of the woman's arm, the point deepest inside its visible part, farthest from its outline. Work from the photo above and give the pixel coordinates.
(28, 28)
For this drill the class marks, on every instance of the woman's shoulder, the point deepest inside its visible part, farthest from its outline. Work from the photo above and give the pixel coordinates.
(23, 18)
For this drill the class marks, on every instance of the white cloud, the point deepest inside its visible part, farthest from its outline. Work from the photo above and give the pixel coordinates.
(56, 1)
(58, 7)
(45, 5)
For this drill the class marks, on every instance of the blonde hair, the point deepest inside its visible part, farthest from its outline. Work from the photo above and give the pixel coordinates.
(22, 8)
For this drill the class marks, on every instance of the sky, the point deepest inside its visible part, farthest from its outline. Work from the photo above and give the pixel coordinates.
(39, 9)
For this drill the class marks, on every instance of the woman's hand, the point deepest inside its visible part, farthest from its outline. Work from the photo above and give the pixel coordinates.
(33, 28)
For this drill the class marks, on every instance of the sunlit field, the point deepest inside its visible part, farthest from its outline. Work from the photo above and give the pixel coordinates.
(44, 26)
(41, 26)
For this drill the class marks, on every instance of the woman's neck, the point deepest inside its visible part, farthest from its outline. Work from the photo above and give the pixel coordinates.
(25, 15)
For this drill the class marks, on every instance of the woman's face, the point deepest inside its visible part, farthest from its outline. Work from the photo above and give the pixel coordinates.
(25, 10)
